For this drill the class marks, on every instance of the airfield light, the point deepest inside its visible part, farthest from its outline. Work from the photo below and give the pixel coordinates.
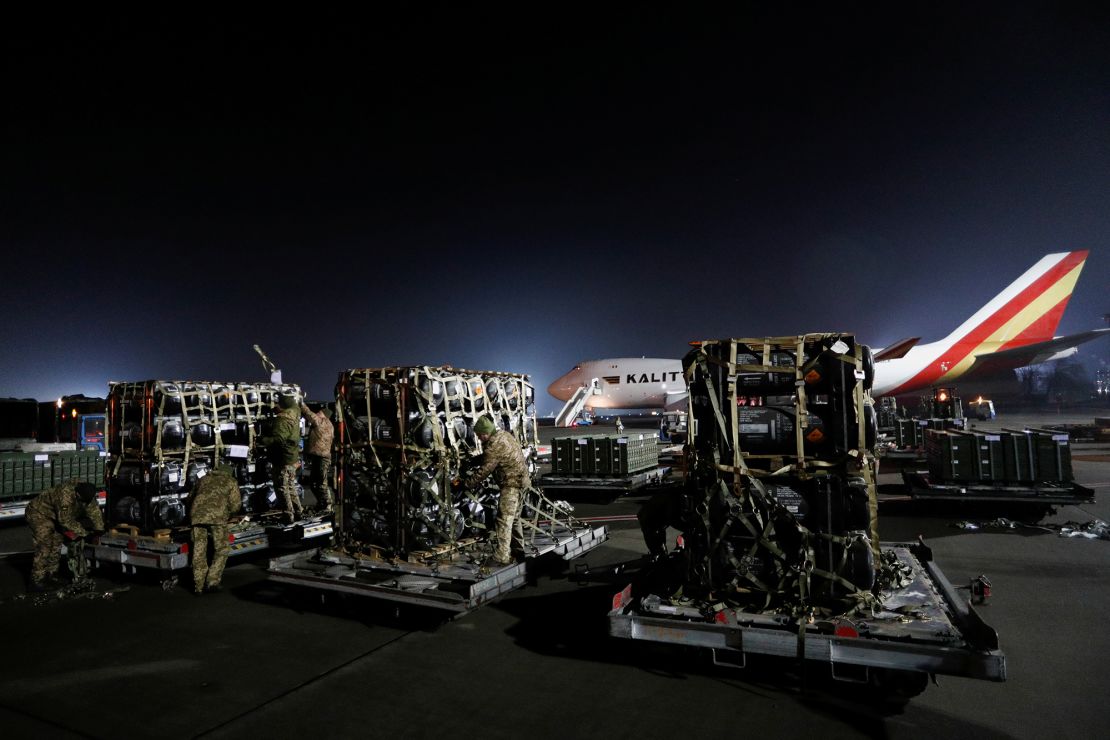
(59, 403)
(73, 413)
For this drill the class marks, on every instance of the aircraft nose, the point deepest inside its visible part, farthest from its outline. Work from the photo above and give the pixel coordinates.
(562, 387)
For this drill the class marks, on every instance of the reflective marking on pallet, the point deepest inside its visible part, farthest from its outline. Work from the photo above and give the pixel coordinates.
(317, 530)
(12, 512)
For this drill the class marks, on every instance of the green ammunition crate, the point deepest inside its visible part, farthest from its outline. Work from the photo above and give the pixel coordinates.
(1053, 455)
(24, 474)
(987, 460)
(583, 456)
(561, 448)
(951, 456)
(1017, 456)
(634, 453)
(603, 455)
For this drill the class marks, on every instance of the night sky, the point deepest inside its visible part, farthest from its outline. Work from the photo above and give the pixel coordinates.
(500, 187)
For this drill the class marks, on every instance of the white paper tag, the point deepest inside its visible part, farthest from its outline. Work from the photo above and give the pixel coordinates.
(238, 451)
(250, 467)
(201, 474)
(42, 458)
(104, 454)
(227, 426)
(583, 441)
(173, 477)
(840, 347)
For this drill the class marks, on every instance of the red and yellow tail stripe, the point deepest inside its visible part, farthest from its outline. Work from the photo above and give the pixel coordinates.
(1030, 316)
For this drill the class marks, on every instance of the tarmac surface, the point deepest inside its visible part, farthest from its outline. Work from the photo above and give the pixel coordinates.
(261, 659)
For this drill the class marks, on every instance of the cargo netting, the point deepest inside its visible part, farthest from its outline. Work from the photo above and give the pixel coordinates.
(779, 508)
(406, 443)
(164, 436)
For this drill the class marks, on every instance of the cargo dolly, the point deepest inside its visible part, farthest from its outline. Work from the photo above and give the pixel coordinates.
(168, 551)
(446, 578)
(611, 484)
(926, 627)
(1053, 493)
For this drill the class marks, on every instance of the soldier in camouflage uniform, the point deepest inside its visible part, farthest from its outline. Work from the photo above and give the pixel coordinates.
(215, 499)
(503, 457)
(283, 445)
(317, 449)
(60, 514)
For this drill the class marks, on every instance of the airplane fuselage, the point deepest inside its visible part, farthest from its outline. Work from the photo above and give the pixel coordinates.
(625, 382)
(1014, 329)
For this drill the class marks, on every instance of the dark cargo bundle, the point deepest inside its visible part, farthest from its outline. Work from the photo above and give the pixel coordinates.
(164, 436)
(406, 441)
(779, 506)
(602, 455)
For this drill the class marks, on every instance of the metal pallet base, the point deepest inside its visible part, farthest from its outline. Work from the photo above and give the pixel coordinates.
(453, 582)
(937, 641)
(133, 553)
(1039, 493)
(623, 484)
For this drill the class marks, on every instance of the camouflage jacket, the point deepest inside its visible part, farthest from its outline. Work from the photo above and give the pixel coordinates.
(505, 459)
(62, 506)
(283, 440)
(215, 499)
(321, 433)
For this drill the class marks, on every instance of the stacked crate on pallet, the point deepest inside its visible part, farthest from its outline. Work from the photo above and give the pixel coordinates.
(164, 436)
(604, 455)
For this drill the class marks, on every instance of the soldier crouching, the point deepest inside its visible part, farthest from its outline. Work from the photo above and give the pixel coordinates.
(59, 515)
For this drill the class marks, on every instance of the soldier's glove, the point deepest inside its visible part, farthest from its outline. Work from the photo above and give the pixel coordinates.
(70, 534)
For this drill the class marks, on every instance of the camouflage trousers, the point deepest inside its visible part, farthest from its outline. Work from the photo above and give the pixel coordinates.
(48, 544)
(289, 492)
(509, 530)
(320, 469)
(203, 573)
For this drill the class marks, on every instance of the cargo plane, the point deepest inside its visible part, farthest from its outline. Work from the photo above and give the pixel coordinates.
(1013, 330)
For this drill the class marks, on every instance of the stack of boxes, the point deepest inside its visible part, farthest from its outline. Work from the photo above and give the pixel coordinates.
(24, 474)
(1006, 457)
(603, 455)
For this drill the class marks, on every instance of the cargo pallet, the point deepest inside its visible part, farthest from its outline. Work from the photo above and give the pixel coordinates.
(124, 546)
(1054, 493)
(943, 635)
(446, 580)
(613, 484)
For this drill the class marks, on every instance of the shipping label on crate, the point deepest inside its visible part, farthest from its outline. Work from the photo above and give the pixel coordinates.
(242, 451)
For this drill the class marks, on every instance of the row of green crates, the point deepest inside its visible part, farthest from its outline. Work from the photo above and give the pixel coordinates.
(910, 433)
(1009, 456)
(27, 473)
(601, 455)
